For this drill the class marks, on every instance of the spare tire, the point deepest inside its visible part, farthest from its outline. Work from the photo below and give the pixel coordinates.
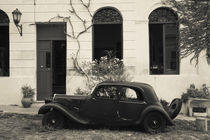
(174, 108)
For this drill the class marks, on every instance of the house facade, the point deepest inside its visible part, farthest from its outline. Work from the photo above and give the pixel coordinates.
(144, 34)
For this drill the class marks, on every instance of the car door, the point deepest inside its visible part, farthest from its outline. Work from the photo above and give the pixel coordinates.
(131, 104)
(101, 105)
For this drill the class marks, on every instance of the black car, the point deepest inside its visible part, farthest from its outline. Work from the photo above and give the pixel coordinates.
(111, 103)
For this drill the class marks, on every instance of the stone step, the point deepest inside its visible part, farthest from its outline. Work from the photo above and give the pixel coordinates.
(38, 103)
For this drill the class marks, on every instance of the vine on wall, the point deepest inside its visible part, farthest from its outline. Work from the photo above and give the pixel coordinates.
(74, 34)
(108, 68)
(194, 17)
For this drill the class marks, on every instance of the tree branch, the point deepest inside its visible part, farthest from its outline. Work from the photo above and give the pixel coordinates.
(85, 30)
(87, 6)
(75, 36)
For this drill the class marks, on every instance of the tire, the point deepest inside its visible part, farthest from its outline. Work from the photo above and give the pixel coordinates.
(174, 108)
(154, 122)
(53, 120)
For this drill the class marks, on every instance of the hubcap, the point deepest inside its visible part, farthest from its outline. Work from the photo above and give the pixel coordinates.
(53, 121)
(154, 123)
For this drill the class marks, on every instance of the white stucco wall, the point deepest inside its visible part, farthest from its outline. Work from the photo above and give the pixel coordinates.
(22, 52)
(135, 47)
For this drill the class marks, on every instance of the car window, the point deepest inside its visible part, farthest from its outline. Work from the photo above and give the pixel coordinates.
(107, 92)
(130, 94)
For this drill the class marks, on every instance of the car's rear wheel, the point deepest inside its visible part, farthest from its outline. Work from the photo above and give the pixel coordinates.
(154, 122)
(53, 120)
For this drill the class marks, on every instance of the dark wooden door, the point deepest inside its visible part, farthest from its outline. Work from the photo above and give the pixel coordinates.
(44, 69)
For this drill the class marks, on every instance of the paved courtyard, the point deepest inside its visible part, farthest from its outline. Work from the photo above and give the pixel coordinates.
(27, 125)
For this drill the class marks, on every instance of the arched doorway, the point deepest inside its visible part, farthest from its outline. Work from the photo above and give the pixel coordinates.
(4, 44)
(163, 36)
(107, 33)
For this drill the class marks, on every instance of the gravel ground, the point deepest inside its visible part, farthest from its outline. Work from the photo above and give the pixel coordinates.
(16, 126)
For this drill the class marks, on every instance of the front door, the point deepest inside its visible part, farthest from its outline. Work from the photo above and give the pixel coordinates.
(44, 69)
(51, 60)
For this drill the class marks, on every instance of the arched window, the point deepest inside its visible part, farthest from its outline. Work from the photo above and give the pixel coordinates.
(163, 36)
(107, 33)
(4, 44)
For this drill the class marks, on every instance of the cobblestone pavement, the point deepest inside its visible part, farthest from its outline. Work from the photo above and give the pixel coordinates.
(20, 110)
(20, 126)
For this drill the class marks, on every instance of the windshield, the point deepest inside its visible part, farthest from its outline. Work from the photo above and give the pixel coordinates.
(93, 88)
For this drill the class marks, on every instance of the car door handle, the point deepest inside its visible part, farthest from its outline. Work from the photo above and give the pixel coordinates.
(93, 98)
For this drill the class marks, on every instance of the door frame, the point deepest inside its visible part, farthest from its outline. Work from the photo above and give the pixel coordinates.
(47, 38)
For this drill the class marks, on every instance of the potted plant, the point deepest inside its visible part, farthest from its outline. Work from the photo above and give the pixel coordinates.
(193, 92)
(196, 99)
(28, 96)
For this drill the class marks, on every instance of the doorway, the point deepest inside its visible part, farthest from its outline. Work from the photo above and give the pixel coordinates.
(59, 66)
(51, 60)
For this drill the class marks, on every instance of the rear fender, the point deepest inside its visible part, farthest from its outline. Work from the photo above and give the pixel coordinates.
(64, 110)
(154, 108)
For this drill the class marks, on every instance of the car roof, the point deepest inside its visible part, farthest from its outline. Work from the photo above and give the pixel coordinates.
(147, 89)
(133, 84)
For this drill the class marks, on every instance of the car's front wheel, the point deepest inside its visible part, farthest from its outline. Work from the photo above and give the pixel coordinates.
(154, 122)
(53, 120)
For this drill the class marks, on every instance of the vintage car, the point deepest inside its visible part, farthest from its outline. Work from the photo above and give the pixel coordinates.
(111, 103)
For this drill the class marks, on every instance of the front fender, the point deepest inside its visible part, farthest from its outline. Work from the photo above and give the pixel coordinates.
(64, 110)
(154, 108)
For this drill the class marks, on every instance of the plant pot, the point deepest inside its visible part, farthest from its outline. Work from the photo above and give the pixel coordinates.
(27, 102)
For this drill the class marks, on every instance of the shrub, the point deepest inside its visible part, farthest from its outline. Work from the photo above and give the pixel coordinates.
(165, 104)
(81, 91)
(108, 68)
(193, 92)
